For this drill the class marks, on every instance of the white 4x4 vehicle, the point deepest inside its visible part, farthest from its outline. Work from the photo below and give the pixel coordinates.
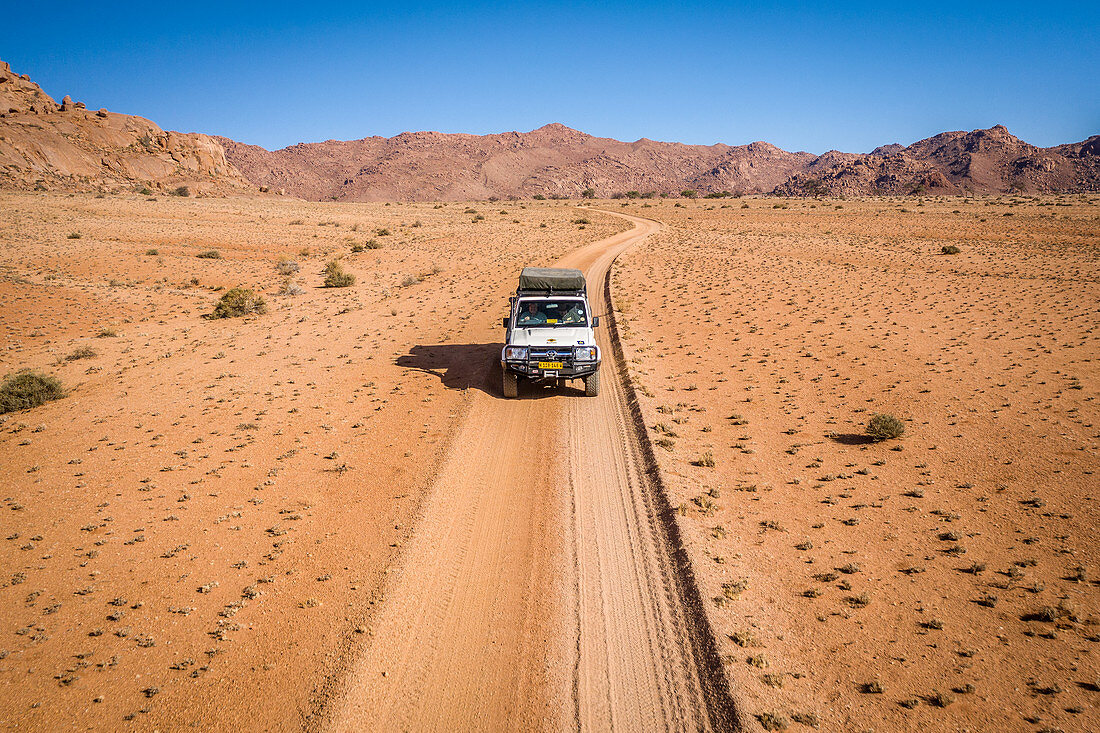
(548, 334)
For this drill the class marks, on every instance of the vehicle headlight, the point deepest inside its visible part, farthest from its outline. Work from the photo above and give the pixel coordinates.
(585, 353)
(515, 353)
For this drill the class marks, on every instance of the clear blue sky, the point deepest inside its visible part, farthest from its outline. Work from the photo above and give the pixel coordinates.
(802, 76)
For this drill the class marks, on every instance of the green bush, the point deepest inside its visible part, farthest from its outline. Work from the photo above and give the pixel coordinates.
(588, 193)
(239, 302)
(688, 193)
(884, 426)
(26, 389)
(336, 277)
(181, 191)
(539, 197)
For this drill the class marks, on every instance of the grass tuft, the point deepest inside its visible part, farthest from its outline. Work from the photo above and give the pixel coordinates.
(336, 277)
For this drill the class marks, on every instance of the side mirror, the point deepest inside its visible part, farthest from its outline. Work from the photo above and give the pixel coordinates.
(595, 321)
(506, 319)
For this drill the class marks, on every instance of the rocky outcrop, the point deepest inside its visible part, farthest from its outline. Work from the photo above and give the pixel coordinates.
(979, 161)
(46, 145)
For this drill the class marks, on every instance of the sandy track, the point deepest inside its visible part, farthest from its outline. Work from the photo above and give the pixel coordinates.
(538, 590)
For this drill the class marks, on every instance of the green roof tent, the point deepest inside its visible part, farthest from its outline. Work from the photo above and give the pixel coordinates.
(551, 280)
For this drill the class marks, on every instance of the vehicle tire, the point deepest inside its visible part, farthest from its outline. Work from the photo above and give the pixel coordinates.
(511, 384)
(592, 385)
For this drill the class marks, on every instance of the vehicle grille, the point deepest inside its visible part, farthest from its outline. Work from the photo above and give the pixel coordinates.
(562, 354)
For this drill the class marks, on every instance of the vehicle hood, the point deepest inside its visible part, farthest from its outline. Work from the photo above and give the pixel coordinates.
(561, 337)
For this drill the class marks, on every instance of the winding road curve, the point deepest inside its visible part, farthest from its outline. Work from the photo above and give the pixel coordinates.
(539, 590)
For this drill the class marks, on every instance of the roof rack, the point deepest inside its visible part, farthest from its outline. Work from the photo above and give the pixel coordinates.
(543, 280)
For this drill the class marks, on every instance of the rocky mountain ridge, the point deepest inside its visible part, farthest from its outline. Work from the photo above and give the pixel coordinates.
(47, 145)
(555, 160)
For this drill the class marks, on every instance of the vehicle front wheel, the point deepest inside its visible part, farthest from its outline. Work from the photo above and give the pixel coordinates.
(592, 385)
(511, 384)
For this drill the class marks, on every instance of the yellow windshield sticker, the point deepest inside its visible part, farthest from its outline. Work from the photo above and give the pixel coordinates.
(551, 320)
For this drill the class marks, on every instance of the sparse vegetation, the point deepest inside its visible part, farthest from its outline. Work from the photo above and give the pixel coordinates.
(941, 699)
(27, 388)
(287, 267)
(807, 719)
(289, 287)
(884, 426)
(706, 460)
(772, 721)
(209, 254)
(336, 276)
(84, 352)
(239, 302)
(950, 249)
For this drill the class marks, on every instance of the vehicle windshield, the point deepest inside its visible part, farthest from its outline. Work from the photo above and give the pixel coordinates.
(549, 313)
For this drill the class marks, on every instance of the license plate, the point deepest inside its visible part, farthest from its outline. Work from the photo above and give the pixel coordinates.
(550, 365)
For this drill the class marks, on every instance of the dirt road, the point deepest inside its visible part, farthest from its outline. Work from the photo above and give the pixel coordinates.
(539, 590)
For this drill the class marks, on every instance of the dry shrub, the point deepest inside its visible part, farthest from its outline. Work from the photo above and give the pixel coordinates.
(239, 302)
(884, 426)
(81, 353)
(287, 267)
(336, 277)
(26, 389)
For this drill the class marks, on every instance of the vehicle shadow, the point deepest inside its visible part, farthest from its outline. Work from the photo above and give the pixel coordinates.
(473, 366)
(458, 366)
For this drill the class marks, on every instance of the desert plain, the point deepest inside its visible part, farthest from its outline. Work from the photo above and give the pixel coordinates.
(200, 534)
